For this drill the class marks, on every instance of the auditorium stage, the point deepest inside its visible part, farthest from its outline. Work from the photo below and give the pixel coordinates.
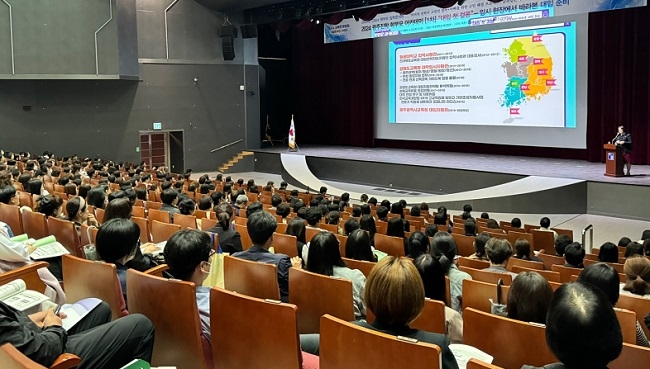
(501, 183)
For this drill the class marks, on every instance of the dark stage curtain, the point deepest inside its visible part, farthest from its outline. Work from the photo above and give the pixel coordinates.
(619, 79)
(333, 90)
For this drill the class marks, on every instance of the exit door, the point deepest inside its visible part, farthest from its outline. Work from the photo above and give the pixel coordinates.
(163, 149)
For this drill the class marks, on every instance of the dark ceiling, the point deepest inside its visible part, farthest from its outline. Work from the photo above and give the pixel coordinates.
(235, 5)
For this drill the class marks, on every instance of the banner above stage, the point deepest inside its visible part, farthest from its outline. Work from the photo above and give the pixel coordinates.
(471, 13)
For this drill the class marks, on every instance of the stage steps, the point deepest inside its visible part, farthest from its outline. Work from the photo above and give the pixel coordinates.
(240, 157)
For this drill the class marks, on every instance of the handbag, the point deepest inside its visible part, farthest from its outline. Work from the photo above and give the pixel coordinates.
(498, 308)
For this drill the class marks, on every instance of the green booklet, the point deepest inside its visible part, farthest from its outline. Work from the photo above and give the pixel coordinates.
(137, 364)
(44, 248)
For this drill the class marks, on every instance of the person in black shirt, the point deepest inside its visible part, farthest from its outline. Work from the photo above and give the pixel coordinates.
(624, 140)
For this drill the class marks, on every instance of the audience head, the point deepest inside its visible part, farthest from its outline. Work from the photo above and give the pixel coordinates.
(415, 211)
(97, 197)
(479, 244)
(580, 319)
(117, 240)
(314, 215)
(469, 227)
(9, 196)
(444, 249)
(633, 249)
(431, 230)
(356, 212)
(261, 226)
(50, 205)
(498, 251)
(77, 209)
(187, 206)
(382, 212)
(492, 224)
(367, 223)
(440, 219)
(485, 216)
(224, 213)
(467, 208)
(324, 254)
(608, 253)
(529, 298)
(394, 291)
(205, 203)
(118, 208)
(646, 247)
(296, 227)
(254, 207)
(645, 235)
(169, 196)
(350, 225)
(395, 227)
(466, 216)
(637, 273)
(187, 253)
(574, 255)
(283, 210)
(522, 249)
(372, 201)
(603, 277)
(333, 217)
(515, 223)
(624, 241)
(418, 244)
(276, 200)
(561, 243)
(34, 186)
(358, 246)
(433, 277)
(545, 222)
(397, 208)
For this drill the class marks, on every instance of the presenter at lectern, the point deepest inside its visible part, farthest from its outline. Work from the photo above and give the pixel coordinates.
(624, 140)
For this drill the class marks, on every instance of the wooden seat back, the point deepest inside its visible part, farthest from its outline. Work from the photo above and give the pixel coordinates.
(138, 211)
(99, 215)
(566, 232)
(473, 263)
(241, 220)
(145, 234)
(432, 318)
(85, 278)
(565, 272)
(285, 244)
(478, 364)
(29, 274)
(640, 305)
(514, 236)
(315, 295)
(185, 221)
(550, 275)
(487, 276)
(10, 214)
(310, 233)
(251, 278)
(202, 214)
(151, 204)
(207, 223)
(627, 321)
(25, 199)
(162, 231)
(170, 304)
(246, 241)
(524, 263)
(631, 357)
(543, 240)
(343, 240)
(158, 215)
(269, 326)
(508, 341)
(530, 227)
(35, 224)
(617, 266)
(464, 244)
(364, 266)
(11, 358)
(346, 345)
(476, 295)
(393, 246)
(549, 260)
(66, 234)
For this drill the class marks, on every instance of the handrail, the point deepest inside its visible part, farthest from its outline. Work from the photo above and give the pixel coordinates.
(166, 27)
(226, 145)
(11, 37)
(110, 7)
(589, 228)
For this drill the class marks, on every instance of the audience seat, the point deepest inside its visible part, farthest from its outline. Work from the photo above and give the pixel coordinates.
(66, 234)
(171, 306)
(202, 214)
(617, 266)
(138, 211)
(282, 227)
(241, 220)
(329, 227)
(524, 263)
(464, 244)
(530, 227)
(476, 294)
(315, 295)
(243, 324)
(84, 278)
(145, 234)
(565, 272)
(29, 274)
(549, 259)
(25, 199)
(550, 275)
(185, 221)
(543, 240)
(10, 214)
(627, 320)
(632, 357)
(512, 343)
(311, 232)
(478, 364)
(158, 215)
(251, 278)
(11, 358)
(566, 232)
(99, 215)
(162, 231)
(246, 241)
(640, 305)
(514, 236)
(35, 225)
(364, 266)
(207, 223)
(343, 240)
(487, 276)
(393, 246)
(473, 263)
(153, 205)
(285, 244)
(346, 345)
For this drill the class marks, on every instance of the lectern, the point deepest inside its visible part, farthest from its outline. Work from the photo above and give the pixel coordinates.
(614, 160)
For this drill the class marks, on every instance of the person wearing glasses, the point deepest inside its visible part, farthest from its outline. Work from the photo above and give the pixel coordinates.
(188, 253)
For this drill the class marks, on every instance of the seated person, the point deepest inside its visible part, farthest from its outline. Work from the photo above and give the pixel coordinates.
(261, 226)
(395, 228)
(78, 213)
(240, 204)
(50, 205)
(624, 241)
(545, 225)
(498, 252)
(358, 246)
(435, 288)
(187, 206)
(637, 273)
(431, 230)
(117, 242)
(574, 255)
(418, 244)
(395, 294)
(522, 251)
(608, 253)
(283, 210)
(470, 228)
(169, 198)
(229, 239)
(606, 278)
(494, 226)
(98, 341)
(633, 249)
(479, 246)
(579, 320)
(296, 228)
(350, 225)
(443, 248)
(325, 258)
(529, 298)
(187, 254)
(561, 242)
(515, 223)
(382, 214)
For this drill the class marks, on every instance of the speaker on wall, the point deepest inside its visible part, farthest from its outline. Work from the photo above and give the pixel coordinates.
(228, 48)
(228, 30)
(248, 30)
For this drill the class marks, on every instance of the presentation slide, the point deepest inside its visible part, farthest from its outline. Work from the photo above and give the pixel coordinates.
(521, 76)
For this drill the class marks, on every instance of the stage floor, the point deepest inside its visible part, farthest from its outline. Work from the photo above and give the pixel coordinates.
(558, 168)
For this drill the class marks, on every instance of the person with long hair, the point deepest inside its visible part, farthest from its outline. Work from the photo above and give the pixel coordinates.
(297, 228)
(444, 249)
(358, 246)
(325, 258)
(229, 239)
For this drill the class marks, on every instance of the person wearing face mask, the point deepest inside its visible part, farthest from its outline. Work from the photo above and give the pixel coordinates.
(188, 254)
